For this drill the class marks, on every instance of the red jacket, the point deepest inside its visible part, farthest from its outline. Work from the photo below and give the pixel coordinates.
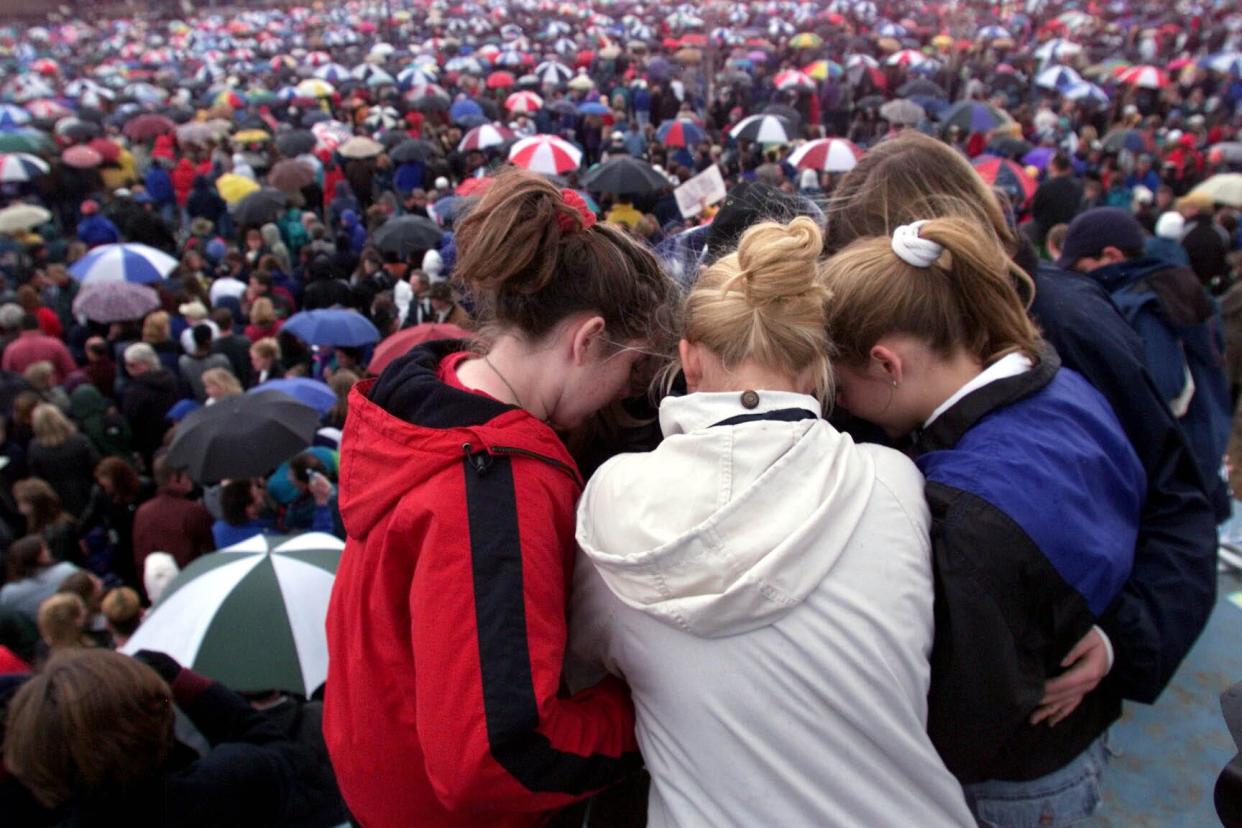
(183, 176)
(446, 629)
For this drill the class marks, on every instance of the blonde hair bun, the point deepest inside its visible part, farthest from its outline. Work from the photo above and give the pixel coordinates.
(777, 261)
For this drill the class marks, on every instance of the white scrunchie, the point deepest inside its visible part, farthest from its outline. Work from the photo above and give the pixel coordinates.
(912, 248)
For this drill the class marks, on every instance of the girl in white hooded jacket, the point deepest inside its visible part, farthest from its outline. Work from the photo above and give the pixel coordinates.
(763, 583)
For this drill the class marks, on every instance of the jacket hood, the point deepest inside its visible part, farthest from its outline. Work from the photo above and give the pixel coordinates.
(1175, 288)
(726, 528)
(349, 219)
(86, 403)
(271, 234)
(408, 426)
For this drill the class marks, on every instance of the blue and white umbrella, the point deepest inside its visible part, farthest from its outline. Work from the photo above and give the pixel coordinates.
(21, 166)
(1086, 91)
(342, 328)
(415, 76)
(994, 33)
(332, 73)
(1057, 77)
(552, 73)
(1229, 63)
(12, 115)
(123, 263)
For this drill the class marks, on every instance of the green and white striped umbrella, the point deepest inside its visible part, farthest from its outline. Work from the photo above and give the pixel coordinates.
(250, 616)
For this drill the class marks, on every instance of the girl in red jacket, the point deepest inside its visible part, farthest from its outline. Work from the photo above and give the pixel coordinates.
(446, 630)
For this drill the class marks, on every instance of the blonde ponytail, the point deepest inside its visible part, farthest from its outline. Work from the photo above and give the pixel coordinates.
(767, 302)
(965, 299)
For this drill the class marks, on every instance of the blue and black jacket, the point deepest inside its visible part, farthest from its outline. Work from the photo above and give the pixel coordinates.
(1035, 496)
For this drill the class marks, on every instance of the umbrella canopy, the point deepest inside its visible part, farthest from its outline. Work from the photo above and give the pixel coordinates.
(246, 435)
(334, 326)
(21, 217)
(464, 109)
(251, 136)
(922, 87)
(500, 80)
(147, 126)
(406, 234)
(24, 140)
(360, 147)
(523, 103)
(82, 157)
(624, 175)
(828, 154)
(233, 187)
(764, 129)
(250, 616)
(1125, 139)
(1008, 176)
(972, 116)
(309, 392)
(680, 132)
(295, 142)
(402, 342)
(482, 137)
(545, 154)
(1225, 188)
(259, 207)
(793, 79)
(1228, 151)
(123, 263)
(1148, 77)
(314, 88)
(1057, 77)
(291, 175)
(902, 111)
(410, 150)
(109, 302)
(20, 166)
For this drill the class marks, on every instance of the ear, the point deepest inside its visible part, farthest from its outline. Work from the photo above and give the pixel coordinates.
(886, 364)
(691, 364)
(584, 336)
(1112, 255)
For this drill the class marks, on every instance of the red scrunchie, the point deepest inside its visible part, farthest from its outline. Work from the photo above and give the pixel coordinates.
(586, 217)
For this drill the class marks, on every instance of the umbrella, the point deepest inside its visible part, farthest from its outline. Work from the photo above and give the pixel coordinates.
(409, 150)
(1006, 175)
(335, 326)
(360, 147)
(23, 140)
(793, 79)
(922, 87)
(523, 103)
(406, 234)
(250, 616)
(1057, 77)
(147, 126)
(1008, 146)
(430, 103)
(902, 111)
(233, 187)
(552, 73)
(123, 263)
(309, 392)
(624, 175)
(500, 80)
(972, 116)
(290, 175)
(465, 108)
(246, 435)
(314, 88)
(545, 154)
(823, 69)
(806, 40)
(680, 132)
(402, 342)
(1148, 77)
(1228, 151)
(195, 133)
(251, 136)
(259, 207)
(295, 142)
(20, 166)
(1039, 157)
(22, 217)
(1225, 188)
(764, 129)
(109, 302)
(1125, 139)
(76, 129)
(81, 157)
(829, 154)
(482, 137)
(593, 108)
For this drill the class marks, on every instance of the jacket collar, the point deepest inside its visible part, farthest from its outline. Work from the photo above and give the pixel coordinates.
(693, 412)
(950, 426)
(1123, 274)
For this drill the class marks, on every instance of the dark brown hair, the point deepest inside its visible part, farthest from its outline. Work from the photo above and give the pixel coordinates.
(125, 481)
(22, 558)
(529, 261)
(93, 721)
(45, 503)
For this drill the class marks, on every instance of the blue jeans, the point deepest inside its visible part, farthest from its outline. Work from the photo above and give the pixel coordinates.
(1063, 797)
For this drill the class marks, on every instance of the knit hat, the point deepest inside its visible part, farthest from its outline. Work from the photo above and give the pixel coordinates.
(1097, 229)
(1170, 226)
(159, 569)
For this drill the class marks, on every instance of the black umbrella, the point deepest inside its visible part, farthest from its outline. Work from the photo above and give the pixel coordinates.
(921, 86)
(392, 138)
(246, 435)
(314, 116)
(406, 234)
(563, 107)
(295, 142)
(624, 175)
(870, 102)
(1008, 147)
(431, 103)
(409, 150)
(259, 207)
(784, 111)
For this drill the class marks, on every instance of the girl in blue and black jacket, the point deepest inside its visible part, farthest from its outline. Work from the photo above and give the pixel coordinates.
(1035, 495)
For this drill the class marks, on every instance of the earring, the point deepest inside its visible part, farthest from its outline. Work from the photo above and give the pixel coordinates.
(894, 383)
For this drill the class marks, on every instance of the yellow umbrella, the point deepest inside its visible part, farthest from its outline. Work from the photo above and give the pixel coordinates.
(315, 88)
(942, 41)
(251, 136)
(233, 188)
(806, 40)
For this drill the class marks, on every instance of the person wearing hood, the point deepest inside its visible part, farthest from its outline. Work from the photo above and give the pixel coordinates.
(204, 202)
(1035, 494)
(446, 647)
(354, 231)
(275, 245)
(146, 398)
(95, 229)
(759, 560)
(342, 200)
(99, 420)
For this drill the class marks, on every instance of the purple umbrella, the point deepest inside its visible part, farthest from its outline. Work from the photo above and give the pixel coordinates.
(1039, 157)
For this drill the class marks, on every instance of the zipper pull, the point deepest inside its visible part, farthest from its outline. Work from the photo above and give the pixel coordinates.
(480, 461)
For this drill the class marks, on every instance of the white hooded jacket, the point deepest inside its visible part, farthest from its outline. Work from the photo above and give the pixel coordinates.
(765, 589)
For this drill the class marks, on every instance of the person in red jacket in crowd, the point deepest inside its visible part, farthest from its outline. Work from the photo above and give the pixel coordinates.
(183, 175)
(446, 628)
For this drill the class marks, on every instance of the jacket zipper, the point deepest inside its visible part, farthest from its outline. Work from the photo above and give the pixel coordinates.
(482, 460)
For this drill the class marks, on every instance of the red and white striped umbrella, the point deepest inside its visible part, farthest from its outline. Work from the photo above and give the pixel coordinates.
(45, 66)
(828, 154)
(484, 136)
(793, 79)
(46, 109)
(1148, 77)
(906, 57)
(318, 58)
(523, 103)
(546, 154)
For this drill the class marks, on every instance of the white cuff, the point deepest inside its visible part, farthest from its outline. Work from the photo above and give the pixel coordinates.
(1108, 645)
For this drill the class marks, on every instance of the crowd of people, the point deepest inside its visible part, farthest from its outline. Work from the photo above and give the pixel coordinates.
(866, 487)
